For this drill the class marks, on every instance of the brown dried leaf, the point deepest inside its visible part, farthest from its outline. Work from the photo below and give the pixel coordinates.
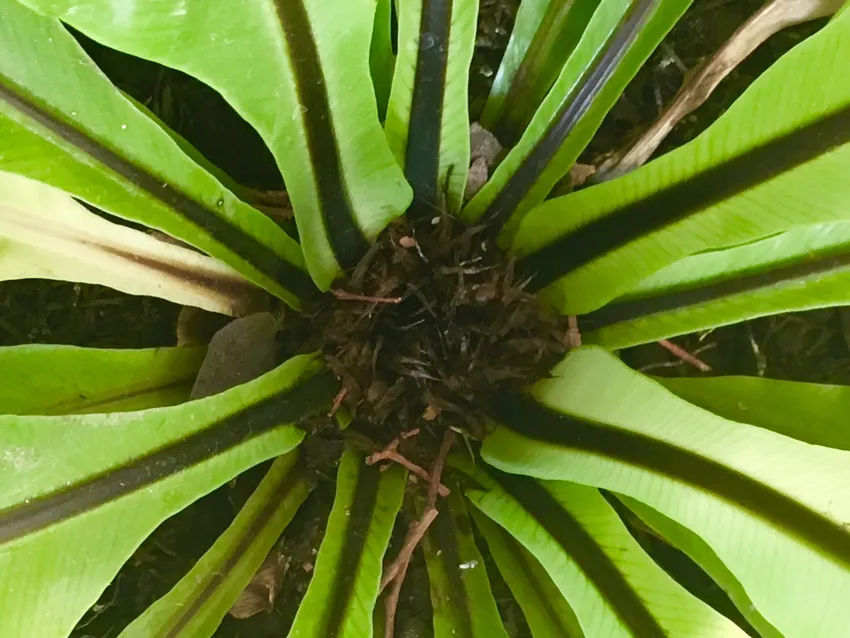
(580, 173)
(483, 144)
(261, 592)
(484, 149)
(478, 175)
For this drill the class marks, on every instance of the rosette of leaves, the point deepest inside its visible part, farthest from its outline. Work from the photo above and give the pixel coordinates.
(403, 305)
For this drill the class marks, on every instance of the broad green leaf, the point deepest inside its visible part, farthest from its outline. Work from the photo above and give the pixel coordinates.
(78, 494)
(802, 268)
(811, 412)
(619, 38)
(545, 33)
(45, 380)
(298, 72)
(63, 123)
(773, 509)
(428, 117)
(700, 552)
(775, 160)
(45, 234)
(381, 56)
(461, 598)
(196, 605)
(342, 594)
(545, 609)
(614, 587)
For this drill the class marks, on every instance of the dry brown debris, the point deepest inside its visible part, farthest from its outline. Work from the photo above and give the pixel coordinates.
(430, 323)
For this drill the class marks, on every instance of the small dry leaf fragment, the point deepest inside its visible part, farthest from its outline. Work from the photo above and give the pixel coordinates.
(484, 149)
(263, 589)
(478, 175)
(580, 173)
(483, 144)
(431, 412)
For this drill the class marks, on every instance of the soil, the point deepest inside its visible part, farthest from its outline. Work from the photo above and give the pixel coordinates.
(801, 346)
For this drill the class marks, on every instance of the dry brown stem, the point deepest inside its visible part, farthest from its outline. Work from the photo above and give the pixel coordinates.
(684, 355)
(351, 296)
(573, 333)
(338, 399)
(392, 455)
(392, 446)
(414, 535)
(434, 485)
(398, 569)
(701, 81)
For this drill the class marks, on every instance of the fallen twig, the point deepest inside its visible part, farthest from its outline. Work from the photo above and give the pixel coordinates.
(398, 569)
(392, 455)
(684, 355)
(392, 446)
(414, 535)
(338, 399)
(351, 296)
(434, 485)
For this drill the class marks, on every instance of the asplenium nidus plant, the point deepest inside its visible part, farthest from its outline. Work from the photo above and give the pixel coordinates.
(429, 324)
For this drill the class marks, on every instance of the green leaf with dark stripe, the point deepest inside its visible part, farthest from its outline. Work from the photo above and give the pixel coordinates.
(614, 588)
(461, 598)
(775, 160)
(341, 597)
(381, 56)
(545, 33)
(620, 37)
(428, 117)
(801, 269)
(63, 123)
(44, 380)
(701, 553)
(812, 412)
(773, 509)
(298, 72)
(46, 234)
(546, 610)
(79, 494)
(196, 605)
